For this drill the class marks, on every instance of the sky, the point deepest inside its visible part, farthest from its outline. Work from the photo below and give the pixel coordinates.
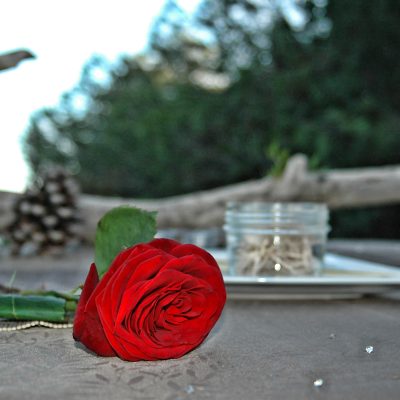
(63, 35)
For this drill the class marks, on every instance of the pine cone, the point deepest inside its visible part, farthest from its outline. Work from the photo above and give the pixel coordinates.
(46, 216)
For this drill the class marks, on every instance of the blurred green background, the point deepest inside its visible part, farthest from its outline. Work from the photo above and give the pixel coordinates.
(228, 94)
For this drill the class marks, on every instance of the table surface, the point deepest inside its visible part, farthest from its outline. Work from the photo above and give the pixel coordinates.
(258, 350)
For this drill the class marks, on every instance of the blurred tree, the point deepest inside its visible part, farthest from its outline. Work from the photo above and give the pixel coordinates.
(329, 106)
(228, 95)
(144, 138)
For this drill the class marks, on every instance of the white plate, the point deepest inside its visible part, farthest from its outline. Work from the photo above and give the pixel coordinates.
(341, 277)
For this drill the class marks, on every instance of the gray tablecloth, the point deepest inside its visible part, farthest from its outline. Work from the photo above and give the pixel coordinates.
(258, 350)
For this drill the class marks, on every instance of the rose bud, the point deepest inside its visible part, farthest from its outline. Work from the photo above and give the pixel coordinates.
(157, 301)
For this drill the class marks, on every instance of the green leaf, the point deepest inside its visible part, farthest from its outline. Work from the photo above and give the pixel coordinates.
(120, 228)
(44, 308)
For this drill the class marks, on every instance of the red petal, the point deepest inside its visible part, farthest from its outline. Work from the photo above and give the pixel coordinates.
(190, 249)
(87, 326)
(166, 245)
(196, 266)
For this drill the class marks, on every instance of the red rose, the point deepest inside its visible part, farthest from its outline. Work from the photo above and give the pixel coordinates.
(157, 301)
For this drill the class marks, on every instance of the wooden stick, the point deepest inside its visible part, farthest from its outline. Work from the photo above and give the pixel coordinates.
(12, 59)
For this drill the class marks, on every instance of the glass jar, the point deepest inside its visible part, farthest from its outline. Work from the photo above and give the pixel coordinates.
(276, 238)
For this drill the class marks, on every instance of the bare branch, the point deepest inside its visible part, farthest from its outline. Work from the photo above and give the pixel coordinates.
(346, 188)
(12, 59)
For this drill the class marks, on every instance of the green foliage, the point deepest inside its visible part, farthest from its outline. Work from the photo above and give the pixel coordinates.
(154, 140)
(279, 156)
(118, 229)
(326, 89)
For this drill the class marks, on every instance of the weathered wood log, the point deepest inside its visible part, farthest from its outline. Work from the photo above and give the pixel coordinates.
(345, 188)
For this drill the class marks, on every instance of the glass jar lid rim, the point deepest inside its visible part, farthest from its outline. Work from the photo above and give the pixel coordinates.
(306, 206)
(276, 210)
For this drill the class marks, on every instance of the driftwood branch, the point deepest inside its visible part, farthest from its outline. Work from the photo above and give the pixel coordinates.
(345, 188)
(12, 59)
